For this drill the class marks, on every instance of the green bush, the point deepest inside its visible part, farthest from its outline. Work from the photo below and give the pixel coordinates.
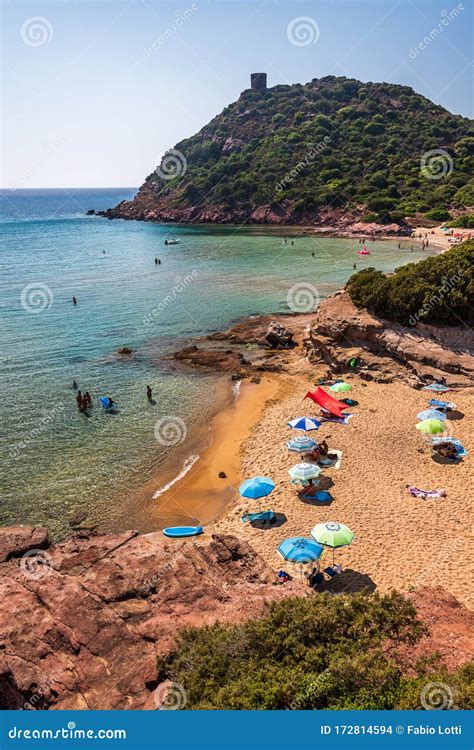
(464, 222)
(324, 652)
(436, 290)
(438, 214)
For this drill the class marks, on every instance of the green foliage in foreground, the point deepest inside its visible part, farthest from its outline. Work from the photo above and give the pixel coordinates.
(333, 142)
(324, 652)
(439, 289)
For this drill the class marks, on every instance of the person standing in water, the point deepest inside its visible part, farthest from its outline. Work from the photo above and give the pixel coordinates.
(156, 261)
(79, 400)
(74, 301)
(74, 385)
(149, 394)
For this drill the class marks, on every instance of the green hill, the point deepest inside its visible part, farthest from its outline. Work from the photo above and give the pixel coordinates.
(379, 151)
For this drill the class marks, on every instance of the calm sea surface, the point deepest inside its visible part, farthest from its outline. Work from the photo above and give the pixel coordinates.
(57, 462)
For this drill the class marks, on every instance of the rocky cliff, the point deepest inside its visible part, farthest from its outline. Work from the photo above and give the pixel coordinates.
(340, 331)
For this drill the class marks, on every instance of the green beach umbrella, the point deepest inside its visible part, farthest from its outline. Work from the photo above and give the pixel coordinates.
(430, 426)
(332, 534)
(340, 387)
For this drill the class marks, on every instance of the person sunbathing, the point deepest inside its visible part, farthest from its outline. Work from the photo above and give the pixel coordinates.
(317, 452)
(446, 450)
(310, 489)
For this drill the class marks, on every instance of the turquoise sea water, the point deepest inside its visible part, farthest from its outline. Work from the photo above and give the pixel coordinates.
(57, 462)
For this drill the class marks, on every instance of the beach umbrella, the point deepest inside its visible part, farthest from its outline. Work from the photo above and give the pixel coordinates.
(300, 550)
(304, 423)
(301, 444)
(304, 471)
(436, 387)
(332, 534)
(256, 487)
(340, 387)
(431, 414)
(430, 426)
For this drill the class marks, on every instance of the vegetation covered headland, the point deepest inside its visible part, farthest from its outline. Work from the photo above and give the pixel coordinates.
(333, 149)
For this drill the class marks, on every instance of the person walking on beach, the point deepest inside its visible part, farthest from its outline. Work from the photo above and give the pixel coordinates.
(149, 394)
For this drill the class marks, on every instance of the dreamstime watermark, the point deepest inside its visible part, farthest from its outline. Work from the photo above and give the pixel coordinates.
(309, 156)
(436, 299)
(36, 564)
(303, 297)
(47, 151)
(173, 164)
(148, 585)
(36, 297)
(170, 430)
(178, 21)
(36, 31)
(436, 164)
(170, 696)
(302, 31)
(43, 425)
(181, 283)
(437, 696)
(447, 18)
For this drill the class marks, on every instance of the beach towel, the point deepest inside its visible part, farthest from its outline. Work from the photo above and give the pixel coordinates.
(332, 463)
(426, 494)
(322, 496)
(443, 405)
(264, 515)
(344, 419)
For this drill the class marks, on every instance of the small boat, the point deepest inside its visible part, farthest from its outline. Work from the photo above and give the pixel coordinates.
(178, 531)
(363, 252)
(172, 242)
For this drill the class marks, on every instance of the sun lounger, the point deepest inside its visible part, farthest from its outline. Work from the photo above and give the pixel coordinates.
(332, 460)
(265, 516)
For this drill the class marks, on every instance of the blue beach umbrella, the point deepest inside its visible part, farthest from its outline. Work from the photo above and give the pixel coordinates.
(300, 550)
(431, 414)
(304, 423)
(301, 444)
(256, 487)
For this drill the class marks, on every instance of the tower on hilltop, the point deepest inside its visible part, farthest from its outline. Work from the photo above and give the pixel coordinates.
(258, 81)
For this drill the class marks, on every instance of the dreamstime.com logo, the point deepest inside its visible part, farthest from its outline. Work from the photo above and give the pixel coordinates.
(36, 297)
(437, 696)
(173, 164)
(170, 696)
(36, 564)
(170, 430)
(303, 297)
(436, 164)
(302, 31)
(36, 31)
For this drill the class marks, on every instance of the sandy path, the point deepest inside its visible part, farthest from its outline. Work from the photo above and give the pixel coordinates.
(401, 541)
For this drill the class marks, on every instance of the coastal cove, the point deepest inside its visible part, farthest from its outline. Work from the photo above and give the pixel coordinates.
(97, 465)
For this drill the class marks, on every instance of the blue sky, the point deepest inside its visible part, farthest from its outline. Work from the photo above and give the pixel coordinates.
(95, 92)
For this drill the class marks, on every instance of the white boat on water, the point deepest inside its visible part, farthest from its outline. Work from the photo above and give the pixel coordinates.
(172, 242)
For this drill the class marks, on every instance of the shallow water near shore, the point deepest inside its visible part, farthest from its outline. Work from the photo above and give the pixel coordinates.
(57, 462)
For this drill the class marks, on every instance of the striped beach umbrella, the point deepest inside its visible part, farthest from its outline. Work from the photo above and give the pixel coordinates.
(301, 444)
(304, 471)
(304, 423)
(431, 414)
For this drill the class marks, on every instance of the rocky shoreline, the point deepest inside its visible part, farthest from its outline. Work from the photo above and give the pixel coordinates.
(83, 621)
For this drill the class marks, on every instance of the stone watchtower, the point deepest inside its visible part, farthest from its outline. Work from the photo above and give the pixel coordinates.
(258, 81)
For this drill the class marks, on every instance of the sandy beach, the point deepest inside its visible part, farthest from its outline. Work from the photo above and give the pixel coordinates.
(401, 541)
